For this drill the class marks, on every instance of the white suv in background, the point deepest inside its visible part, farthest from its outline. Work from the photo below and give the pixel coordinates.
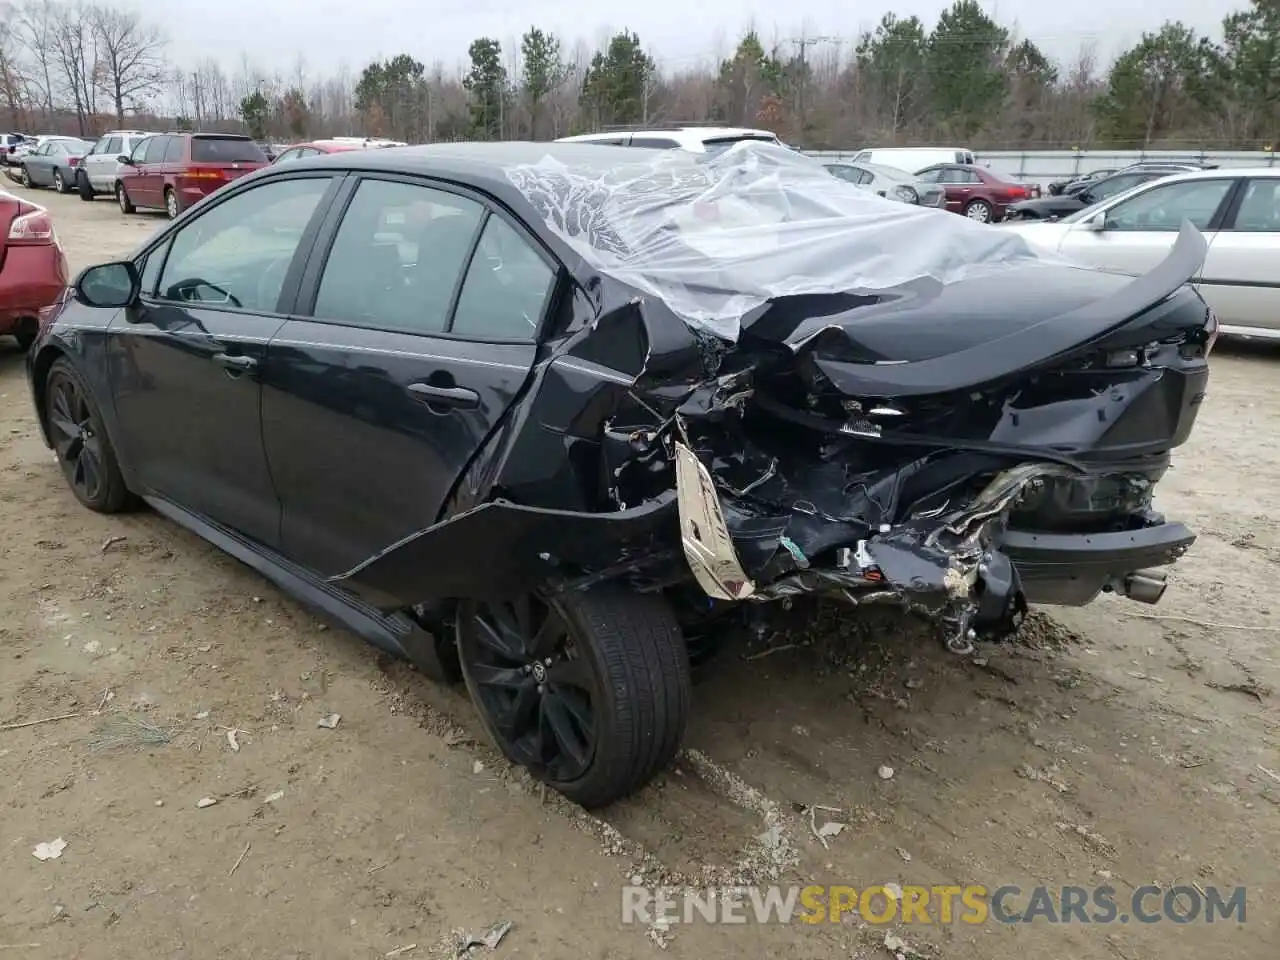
(99, 167)
(692, 139)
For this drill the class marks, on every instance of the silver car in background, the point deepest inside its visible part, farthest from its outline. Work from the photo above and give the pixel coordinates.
(99, 170)
(54, 163)
(890, 183)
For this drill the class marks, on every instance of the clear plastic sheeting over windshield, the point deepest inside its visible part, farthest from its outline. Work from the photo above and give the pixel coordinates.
(714, 237)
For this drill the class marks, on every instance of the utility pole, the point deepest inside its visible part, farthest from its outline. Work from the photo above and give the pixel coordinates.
(803, 44)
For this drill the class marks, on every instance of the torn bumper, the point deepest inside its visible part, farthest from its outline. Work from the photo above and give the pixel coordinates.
(964, 569)
(1072, 569)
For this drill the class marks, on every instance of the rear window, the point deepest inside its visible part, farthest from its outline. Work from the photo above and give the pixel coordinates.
(721, 144)
(226, 150)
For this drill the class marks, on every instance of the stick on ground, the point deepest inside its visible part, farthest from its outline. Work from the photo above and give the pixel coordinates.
(32, 723)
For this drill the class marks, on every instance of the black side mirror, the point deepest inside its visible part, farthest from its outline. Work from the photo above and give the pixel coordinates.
(109, 285)
(125, 159)
(1087, 198)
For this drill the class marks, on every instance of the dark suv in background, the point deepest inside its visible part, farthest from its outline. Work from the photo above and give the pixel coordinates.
(172, 171)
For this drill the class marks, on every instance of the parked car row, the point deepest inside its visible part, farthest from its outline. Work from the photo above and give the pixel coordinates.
(1237, 210)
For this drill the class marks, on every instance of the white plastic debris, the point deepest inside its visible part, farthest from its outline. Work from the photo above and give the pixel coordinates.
(273, 797)
(50, 850)
(831, 829)
(202, 715)
(477, 767)
(885, 772)
(205, 802)
(329, 722)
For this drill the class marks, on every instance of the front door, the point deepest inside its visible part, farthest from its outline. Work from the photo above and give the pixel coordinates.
(1241, 281)
(376, 403)
(148, 188)
(185, 363)
(1138, 231)
(100, 165)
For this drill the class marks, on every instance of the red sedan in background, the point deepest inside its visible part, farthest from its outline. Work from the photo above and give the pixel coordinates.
(975, 191)
(333, 145)
(33, 268)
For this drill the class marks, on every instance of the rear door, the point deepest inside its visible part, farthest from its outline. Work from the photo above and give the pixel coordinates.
(1138, 231)
(1241, 279)
(100, 165)
(415, 329)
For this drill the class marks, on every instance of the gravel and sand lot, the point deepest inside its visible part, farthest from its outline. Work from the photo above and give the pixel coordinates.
(1116, 744)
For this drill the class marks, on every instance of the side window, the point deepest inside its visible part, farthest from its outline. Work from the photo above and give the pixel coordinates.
(1114, 186)
(863, 157)
(851, 174)
(140, 150)
(113, 147)
(397, 257)
(1259, 207)
(288, 155)
(506, 287)
(951, 175)
(929, 176)
(173, 151)
(156, 147)
(237, 254)
(1163, 208)
(656, 143)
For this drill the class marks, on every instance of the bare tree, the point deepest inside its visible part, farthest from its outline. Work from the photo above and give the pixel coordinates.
(14, 83)
(75, 54)
(132, 57)
(36, 34)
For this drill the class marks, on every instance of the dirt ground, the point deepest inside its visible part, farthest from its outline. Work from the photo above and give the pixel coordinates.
(1103, 746)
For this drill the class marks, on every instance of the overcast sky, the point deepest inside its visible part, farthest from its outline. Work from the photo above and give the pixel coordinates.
(679, 33)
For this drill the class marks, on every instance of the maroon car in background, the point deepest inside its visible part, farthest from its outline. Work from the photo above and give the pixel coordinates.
(975, 191)
(172, 171)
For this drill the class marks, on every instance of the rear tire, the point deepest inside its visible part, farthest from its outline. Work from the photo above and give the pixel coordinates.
(171, 203)
(979, 210)
(26, 179)
(618, 681)
(59, 184)
(83, 185)
(80, 439)
(122, 198)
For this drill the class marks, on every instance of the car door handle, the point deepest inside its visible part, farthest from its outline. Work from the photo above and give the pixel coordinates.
(235, 362)
(457, 397)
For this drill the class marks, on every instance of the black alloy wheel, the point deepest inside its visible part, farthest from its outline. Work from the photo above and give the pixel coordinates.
(589, 691)
(80, 440)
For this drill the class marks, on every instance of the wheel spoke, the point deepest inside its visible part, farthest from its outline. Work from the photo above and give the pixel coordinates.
(511, 678)
(579, 707)
(571, 672)
(520, 717)
(551, 635)
(497, 640)
(564, 732)
(508, 626)
(88, 464)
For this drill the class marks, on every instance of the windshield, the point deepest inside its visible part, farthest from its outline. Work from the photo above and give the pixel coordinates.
(226, 150)
(888, 173)
(714, 237)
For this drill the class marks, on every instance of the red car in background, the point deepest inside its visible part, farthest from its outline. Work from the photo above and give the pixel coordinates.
(333, 145)
(33, 268)
(977, 192)
(172, 171)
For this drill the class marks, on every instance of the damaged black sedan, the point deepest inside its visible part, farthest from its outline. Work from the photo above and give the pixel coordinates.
(531, 414)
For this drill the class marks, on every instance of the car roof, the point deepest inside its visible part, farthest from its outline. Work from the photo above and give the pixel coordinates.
(700, 134)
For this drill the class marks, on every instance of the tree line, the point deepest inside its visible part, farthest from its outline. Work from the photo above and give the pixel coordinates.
(79, 66)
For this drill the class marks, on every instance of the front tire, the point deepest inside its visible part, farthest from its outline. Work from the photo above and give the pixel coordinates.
(26, 179)
(589, 690)
(80, 439)
(59, 184)
(171, 203)
(122, 198)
